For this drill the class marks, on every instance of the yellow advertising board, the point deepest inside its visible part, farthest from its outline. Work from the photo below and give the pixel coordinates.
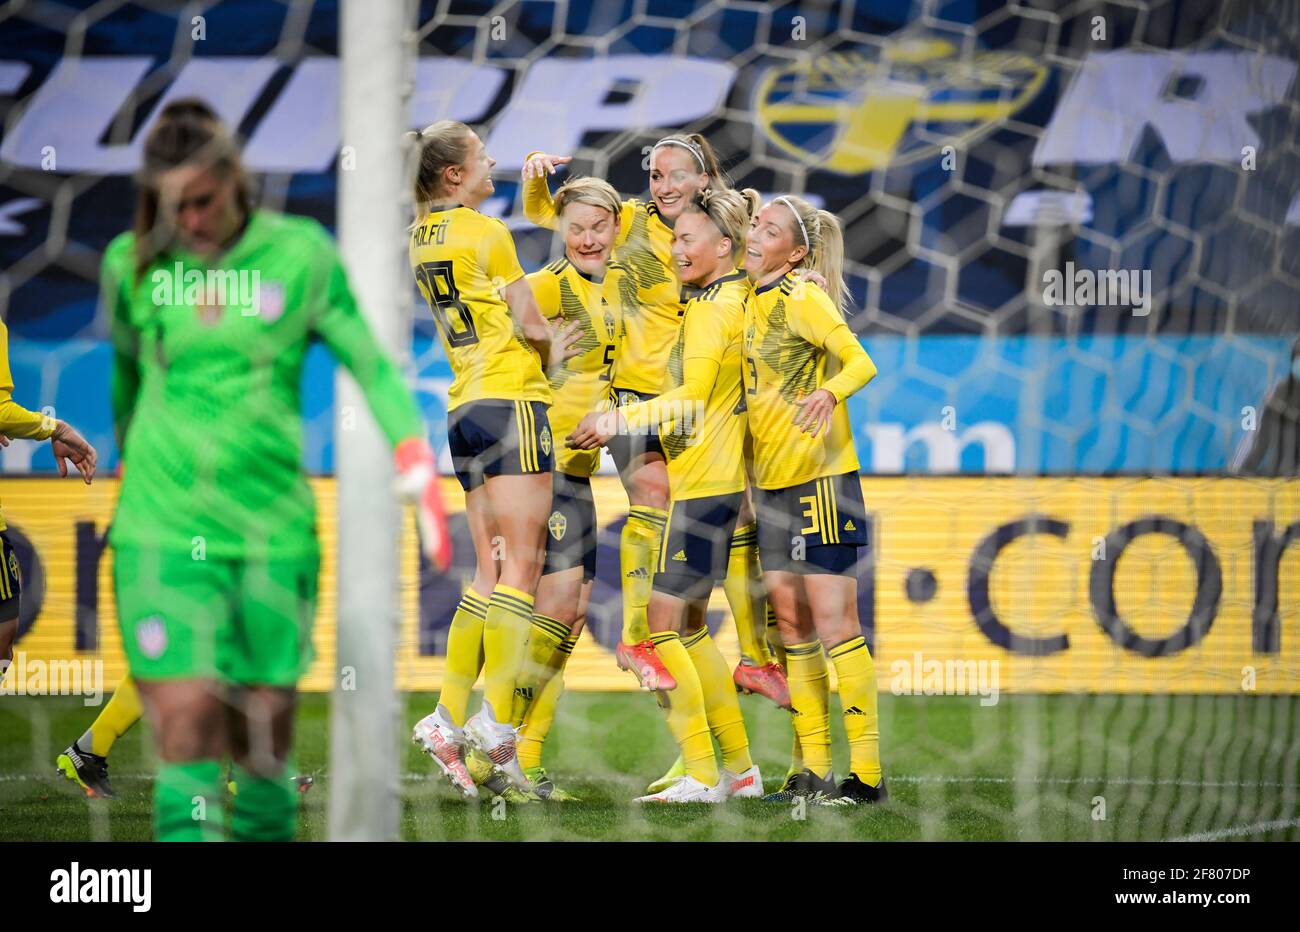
(1031, 584)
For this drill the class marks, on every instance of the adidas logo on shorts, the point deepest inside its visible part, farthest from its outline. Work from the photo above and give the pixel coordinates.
(680, 555)
(849, 525)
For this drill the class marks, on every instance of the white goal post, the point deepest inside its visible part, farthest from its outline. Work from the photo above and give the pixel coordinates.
(377, 55)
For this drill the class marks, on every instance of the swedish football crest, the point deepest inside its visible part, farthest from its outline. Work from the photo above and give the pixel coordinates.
(557, 524)
(14, 571)
(545, 440)
(853, 111)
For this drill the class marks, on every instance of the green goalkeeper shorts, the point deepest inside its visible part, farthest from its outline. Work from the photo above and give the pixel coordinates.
(245, 622)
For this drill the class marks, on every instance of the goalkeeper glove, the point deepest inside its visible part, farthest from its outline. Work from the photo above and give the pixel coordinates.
(417, 483)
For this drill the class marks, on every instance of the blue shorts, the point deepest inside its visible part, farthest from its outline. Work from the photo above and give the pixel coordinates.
(11, 579)
(813, 527)
(571, 528)
(497, 437)
(696, 544)
(624, 449)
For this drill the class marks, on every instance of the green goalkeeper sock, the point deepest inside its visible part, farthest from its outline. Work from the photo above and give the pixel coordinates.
(187, 802)
(266, 809)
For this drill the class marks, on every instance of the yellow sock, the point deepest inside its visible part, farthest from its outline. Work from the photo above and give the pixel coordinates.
(721, 706)
(122, 710)
(810, 695)
(540, 663)
(778, 651)
(856, 673)
(774, 642)
(684, 708)
(505, 641)
(638, 554)
(541, 713)
(464, 655)
(744, 589)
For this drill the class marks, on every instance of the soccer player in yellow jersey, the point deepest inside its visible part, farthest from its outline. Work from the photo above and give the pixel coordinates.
(701, 418)
(584, 288)
(67, 445)
(801, 362)
(680, 167)
(501, 445)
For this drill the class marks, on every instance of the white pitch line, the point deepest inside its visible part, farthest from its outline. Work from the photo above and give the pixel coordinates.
(1110, 781)
(892, 778)
(1239, 830)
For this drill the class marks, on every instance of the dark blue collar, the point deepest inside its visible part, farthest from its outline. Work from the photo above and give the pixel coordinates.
(772, 284)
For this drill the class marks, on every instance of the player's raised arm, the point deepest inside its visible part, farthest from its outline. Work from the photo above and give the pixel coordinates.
(539, 206)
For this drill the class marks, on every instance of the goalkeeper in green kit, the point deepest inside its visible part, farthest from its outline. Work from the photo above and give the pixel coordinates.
(213, 306)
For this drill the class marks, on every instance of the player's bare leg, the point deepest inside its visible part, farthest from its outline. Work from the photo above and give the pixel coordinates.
(440, 734)
(518, 506)
(259, 721)
(188, 721)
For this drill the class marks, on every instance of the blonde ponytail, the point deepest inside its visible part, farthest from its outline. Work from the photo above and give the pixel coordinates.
(827, 257)
(441, 145)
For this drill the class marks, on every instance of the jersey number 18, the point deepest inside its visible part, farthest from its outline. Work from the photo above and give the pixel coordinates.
(439, 288)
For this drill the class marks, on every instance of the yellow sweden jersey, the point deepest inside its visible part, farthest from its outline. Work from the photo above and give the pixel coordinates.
(705, 448)
(461, 260)
(787, 324)
(583, 383)
(651, 323)
(651, 297)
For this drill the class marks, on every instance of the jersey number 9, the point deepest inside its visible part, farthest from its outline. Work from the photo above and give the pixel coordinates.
(452, 315)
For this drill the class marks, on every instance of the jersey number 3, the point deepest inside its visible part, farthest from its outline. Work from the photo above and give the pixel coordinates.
(439, 286)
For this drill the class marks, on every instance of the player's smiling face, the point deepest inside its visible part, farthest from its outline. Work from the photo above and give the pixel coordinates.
(675, 178)
(699, 249)
(201, 207)
(589, 234)
(475, 174)
(771, 244)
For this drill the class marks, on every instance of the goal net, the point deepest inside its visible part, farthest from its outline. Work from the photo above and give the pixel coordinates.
(1071, 242)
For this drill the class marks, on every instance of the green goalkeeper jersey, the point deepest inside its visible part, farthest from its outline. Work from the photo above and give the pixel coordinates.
(206, 392)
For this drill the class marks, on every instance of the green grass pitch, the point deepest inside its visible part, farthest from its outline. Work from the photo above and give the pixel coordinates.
(1030, 767)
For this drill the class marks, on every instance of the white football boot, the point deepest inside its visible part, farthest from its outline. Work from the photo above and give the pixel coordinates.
(687, 789)
(747, 785)
(445, 743)
(497, 741)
